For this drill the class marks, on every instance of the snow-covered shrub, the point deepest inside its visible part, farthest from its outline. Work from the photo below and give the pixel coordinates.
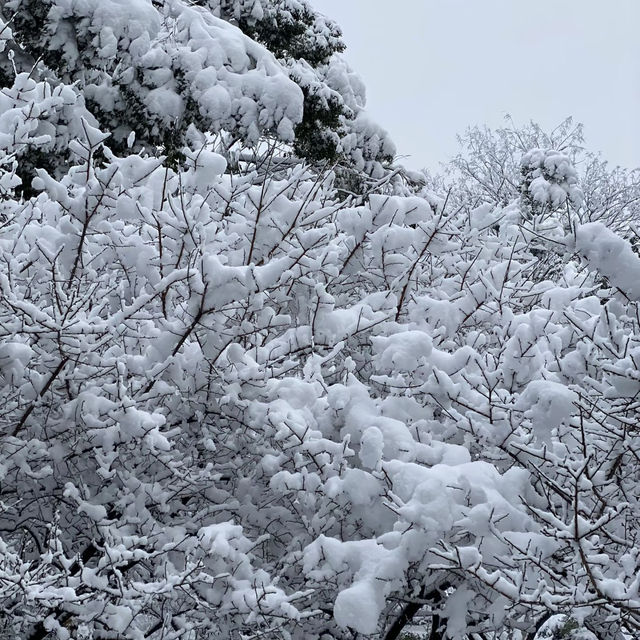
(158, 370)
(240, 403)
(231, 401)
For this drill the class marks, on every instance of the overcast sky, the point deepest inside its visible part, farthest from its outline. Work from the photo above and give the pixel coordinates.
(434, 67)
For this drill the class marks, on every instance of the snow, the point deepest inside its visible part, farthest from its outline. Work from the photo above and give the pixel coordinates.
(164, 103)
(207, 167)
(371, 447)
(552, 178)
(358, 608)
(549, 406)
(611, 255)
(14, 357)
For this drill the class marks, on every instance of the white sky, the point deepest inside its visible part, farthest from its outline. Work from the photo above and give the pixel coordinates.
(434, 67)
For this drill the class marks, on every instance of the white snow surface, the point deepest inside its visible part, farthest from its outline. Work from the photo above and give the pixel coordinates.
(611, 255)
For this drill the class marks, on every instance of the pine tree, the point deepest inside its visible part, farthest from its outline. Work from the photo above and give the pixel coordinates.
(154, 70)
(333, 127)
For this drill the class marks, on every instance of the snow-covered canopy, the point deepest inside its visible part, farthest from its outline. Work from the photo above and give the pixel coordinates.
(237, 403)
